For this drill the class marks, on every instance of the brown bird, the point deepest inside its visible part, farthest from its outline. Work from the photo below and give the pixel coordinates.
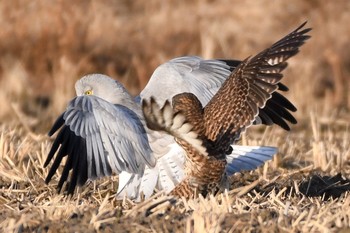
(206, 133)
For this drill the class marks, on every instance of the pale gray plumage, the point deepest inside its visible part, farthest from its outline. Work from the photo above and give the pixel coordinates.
(94, 119)
(186, 74)
(247, 157)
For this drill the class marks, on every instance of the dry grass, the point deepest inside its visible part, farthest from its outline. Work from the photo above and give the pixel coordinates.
(46, 46)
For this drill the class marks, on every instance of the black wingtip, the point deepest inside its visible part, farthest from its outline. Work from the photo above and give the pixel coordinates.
(58, 124)
(302, 34)
(301, 25)
(231, 63)
(306, 30)
(282, 87)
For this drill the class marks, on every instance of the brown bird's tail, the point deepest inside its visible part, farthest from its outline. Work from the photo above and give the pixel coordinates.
(189, 189)
(174, 123)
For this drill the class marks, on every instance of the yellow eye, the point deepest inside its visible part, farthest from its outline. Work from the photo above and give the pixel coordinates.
(88, 92)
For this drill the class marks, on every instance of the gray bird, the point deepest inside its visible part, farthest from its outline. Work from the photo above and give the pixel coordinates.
(102, 130)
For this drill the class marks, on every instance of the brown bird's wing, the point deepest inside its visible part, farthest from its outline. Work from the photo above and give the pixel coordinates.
(276, 110)
(236, 105)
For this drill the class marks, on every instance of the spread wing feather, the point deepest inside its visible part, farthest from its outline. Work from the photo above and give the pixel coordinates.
(98, 138)
(237, 103)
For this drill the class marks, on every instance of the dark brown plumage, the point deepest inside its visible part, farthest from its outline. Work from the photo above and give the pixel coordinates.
(206, 133)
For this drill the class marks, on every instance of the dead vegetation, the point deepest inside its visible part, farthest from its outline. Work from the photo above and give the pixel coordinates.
(46, 46)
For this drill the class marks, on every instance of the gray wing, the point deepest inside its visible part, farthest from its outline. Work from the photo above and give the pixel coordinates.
(246, 158)
(98, 138)
(187, 74)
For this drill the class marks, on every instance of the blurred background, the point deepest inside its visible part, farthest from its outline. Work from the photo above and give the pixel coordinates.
(46, 46)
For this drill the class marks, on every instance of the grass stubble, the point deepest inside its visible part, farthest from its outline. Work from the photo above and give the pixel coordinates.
(37, 78)
(267, 199)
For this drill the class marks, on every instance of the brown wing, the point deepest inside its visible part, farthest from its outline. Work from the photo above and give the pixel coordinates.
(237, 103)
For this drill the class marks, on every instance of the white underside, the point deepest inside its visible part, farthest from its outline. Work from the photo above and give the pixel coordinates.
(169, 170)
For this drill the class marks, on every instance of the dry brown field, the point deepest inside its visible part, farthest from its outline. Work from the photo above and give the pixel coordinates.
(45, 46)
